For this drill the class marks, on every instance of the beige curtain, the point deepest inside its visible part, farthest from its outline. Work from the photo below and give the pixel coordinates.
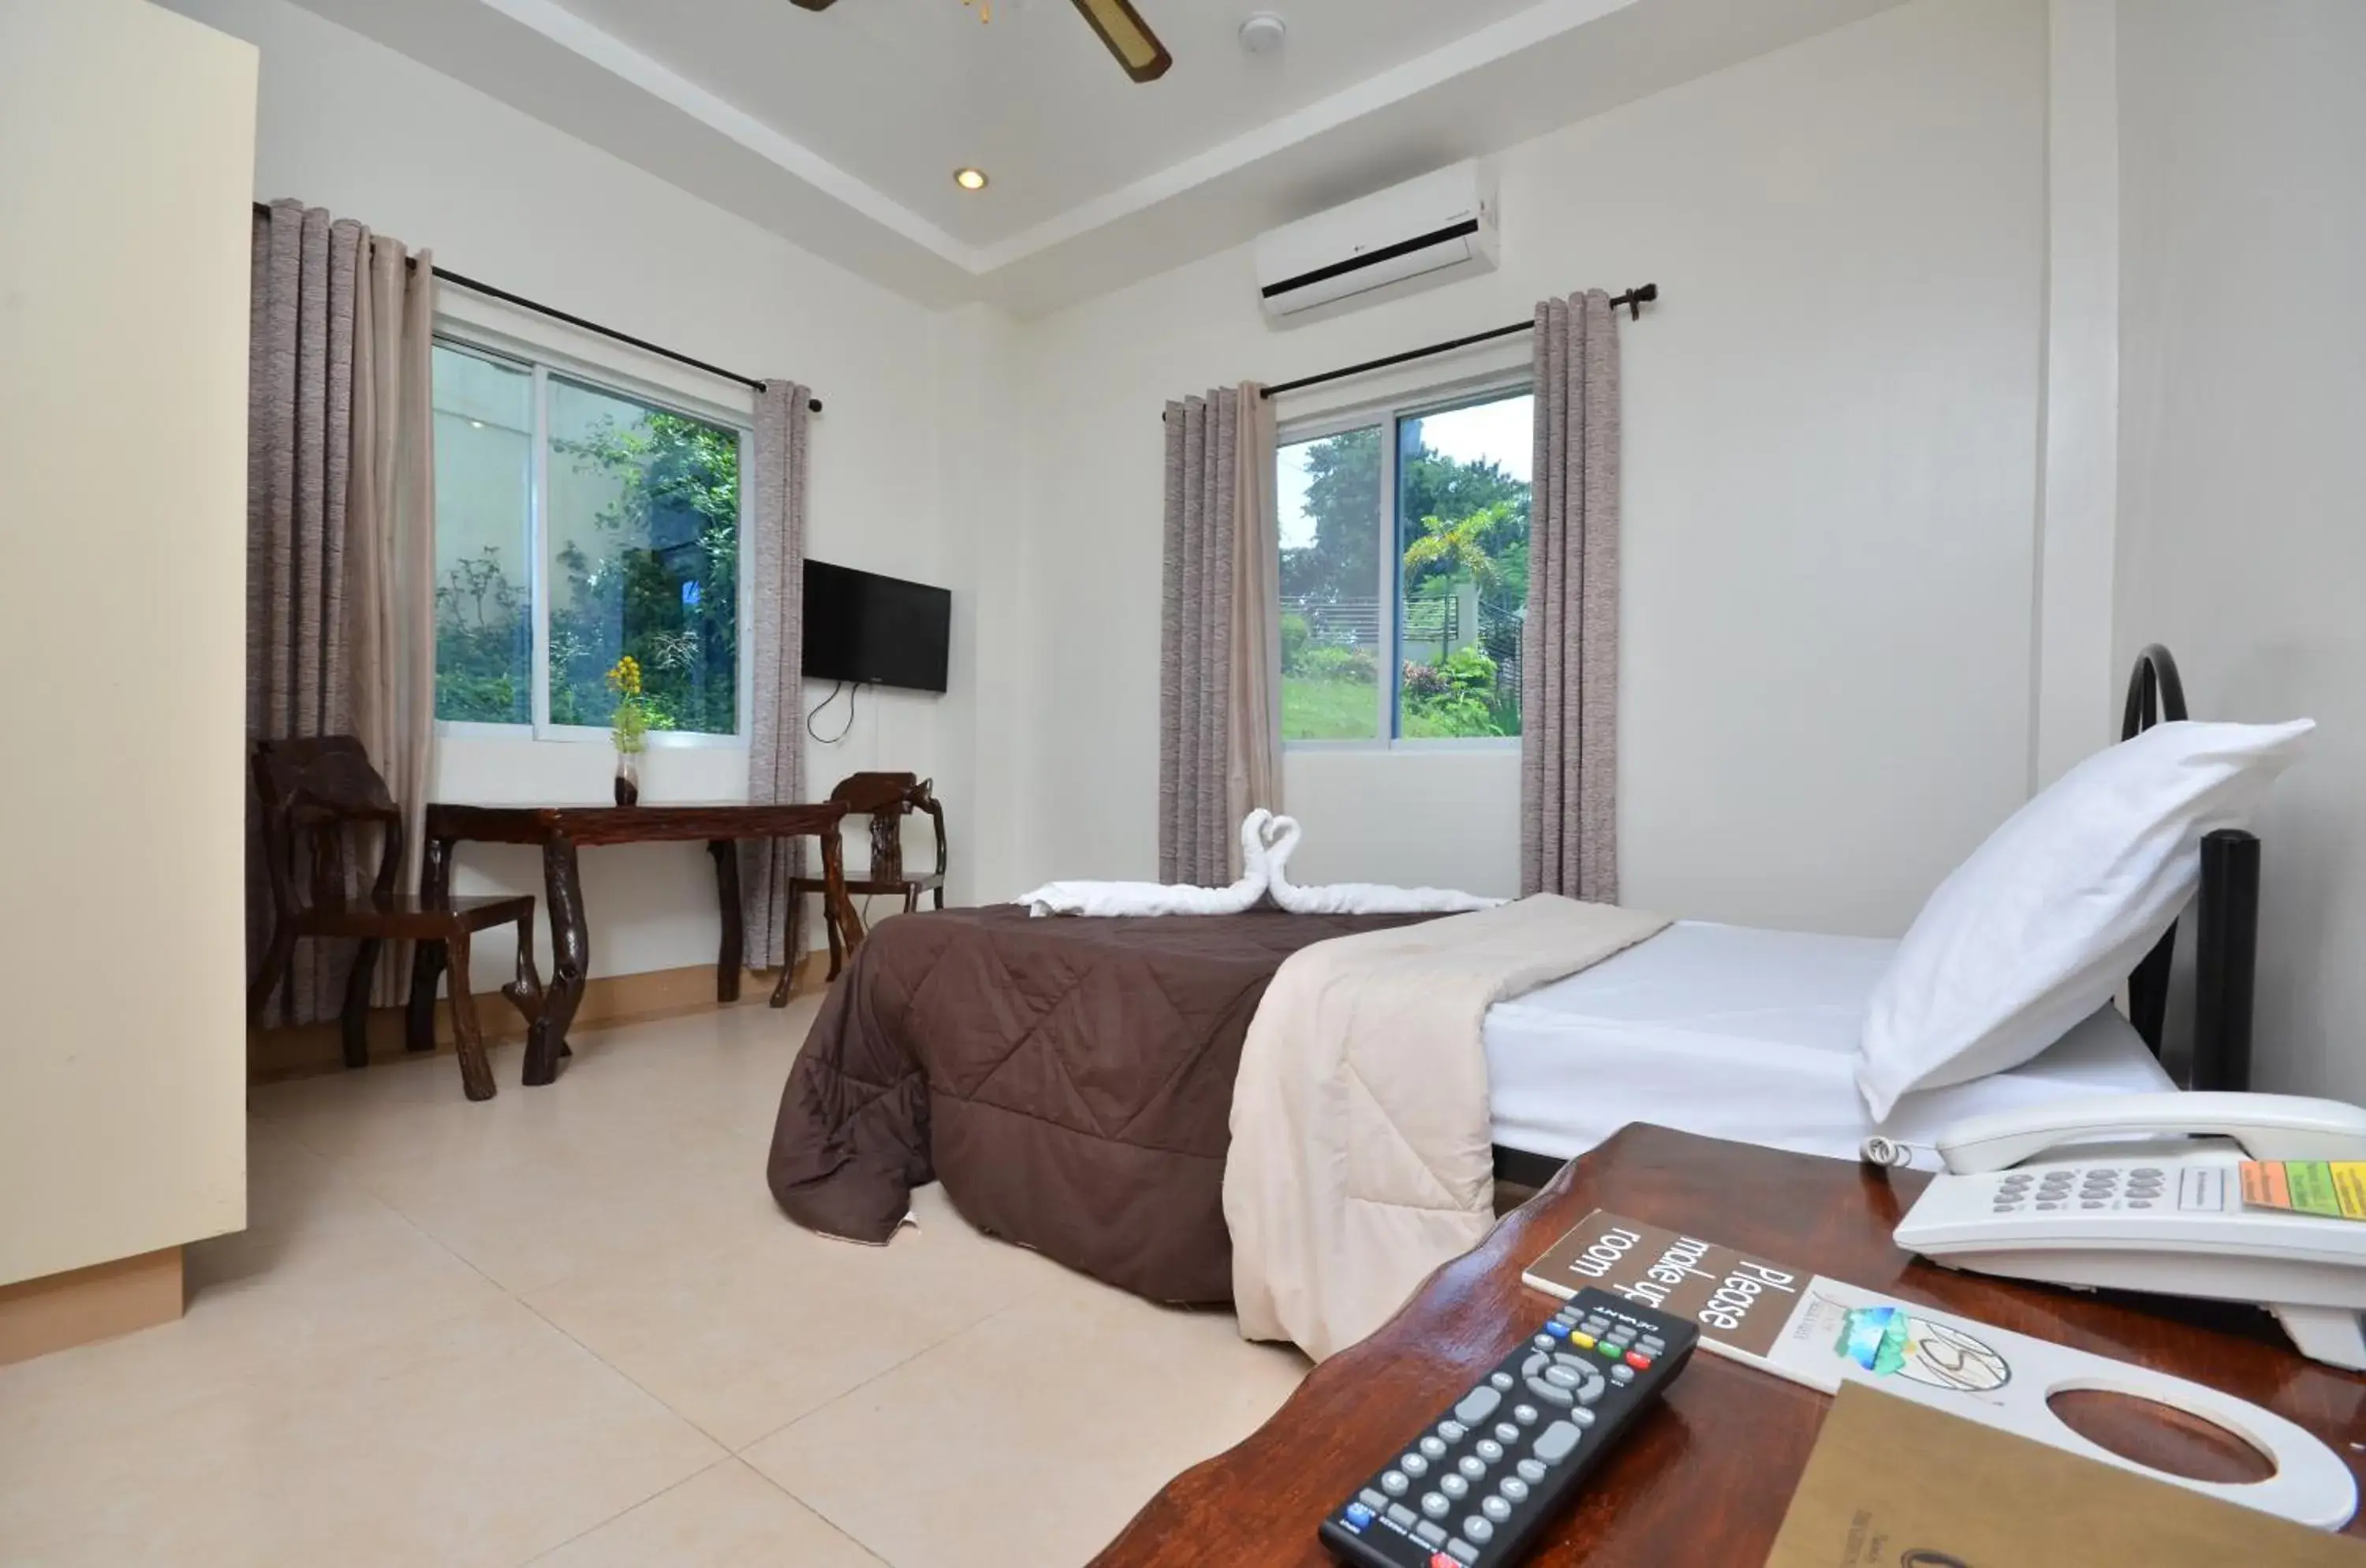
(1569, 645)
(772, 553)
(340, 530)
(1220, 655)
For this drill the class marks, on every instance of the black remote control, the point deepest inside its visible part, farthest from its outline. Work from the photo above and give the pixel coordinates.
(1472, 1490)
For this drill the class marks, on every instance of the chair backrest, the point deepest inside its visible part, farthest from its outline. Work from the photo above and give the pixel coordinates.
(886, 798)
(314, 790)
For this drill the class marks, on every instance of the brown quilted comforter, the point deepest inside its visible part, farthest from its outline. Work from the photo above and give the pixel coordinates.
(1069, 1080)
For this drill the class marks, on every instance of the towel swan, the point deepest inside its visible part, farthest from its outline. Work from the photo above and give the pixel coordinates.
(1267, 844)
(1281, 836)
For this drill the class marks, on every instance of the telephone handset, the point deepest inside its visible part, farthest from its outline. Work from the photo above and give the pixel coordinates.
(2153, 1201)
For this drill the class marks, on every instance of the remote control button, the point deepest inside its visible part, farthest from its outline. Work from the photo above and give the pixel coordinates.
(1357, 1515)
(1534, 1365)
(2142, 1203)
(1453, 1486)
(1597, 1326)
(1513, 1489)
(1501, 1379)
(1402, 1516)
(2146, 1171)
(1526, 1415)
(1464, 1552)
(1562, 1377)
(1506, 1433)
(1652, 1345)
(1556, 1329)
(1479, 1530)
(1372, 1500)
(1432, 1447)
(1594, 1390)
(1472, 1466)
(1531, 1470)
(1435, 1506)
(1552, 1395)
(1607, 1351)
(1430, 1533)
(1394, 1484)
(1555, 1443)
(1489, 1450)
(1477, 1404)
(1581, 1417)
(1453, 1431)
(1546, 1342)
(1583, 1341)
(2042, 1205)
(1640, 1362)
(1497, 1509)
(1622, 1374)
(1414, 1466)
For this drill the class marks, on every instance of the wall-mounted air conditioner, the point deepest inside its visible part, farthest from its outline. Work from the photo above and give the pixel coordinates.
(1439, 223)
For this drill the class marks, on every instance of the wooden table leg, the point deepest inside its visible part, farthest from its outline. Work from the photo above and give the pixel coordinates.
(571, 955)
(847, 918)
(733, 957)
(427, 957)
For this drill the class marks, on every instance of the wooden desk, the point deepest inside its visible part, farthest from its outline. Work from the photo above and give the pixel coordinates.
(1705, 1479)
(559, 831)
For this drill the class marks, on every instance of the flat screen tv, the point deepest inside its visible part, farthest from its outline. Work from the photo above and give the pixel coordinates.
(874, 630)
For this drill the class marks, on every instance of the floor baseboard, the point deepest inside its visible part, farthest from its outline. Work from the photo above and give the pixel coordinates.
(83, 1305)
(309, 1050)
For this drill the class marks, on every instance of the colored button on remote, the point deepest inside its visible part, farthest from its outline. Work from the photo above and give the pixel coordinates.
(1640, 1362)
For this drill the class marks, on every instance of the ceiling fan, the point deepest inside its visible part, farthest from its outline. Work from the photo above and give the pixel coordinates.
(1121, 28)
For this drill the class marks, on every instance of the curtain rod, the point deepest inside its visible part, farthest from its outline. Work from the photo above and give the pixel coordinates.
(556, 314)
(1634, 300)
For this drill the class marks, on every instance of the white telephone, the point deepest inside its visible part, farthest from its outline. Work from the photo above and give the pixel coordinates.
(2142, 1209)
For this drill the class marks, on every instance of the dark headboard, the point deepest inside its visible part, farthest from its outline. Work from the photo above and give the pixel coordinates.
(2225, 922)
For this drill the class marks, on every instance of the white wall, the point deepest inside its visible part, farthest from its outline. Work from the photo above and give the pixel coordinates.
(1832, 428)
(370, 134)
(2242, 541)
(125, 137)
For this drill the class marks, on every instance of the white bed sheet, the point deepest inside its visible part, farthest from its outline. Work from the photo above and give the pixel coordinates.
(1749, 1034)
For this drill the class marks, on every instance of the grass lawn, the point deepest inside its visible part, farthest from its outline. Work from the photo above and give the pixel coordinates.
(1328, 710)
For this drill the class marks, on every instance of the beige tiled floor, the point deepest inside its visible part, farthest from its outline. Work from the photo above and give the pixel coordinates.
(569, 1327)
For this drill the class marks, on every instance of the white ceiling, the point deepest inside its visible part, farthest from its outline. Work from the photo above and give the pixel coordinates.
(840, 128)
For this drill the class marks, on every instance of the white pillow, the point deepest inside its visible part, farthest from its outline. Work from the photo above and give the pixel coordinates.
(2042, 924)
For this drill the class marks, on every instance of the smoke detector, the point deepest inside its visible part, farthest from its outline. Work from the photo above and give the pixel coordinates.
(1264, 33)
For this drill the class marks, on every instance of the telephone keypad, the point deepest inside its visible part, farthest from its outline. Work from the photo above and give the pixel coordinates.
(2084, 1187)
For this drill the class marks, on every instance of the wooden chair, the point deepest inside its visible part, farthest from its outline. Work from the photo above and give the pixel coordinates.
(313, 792)
(887, 799)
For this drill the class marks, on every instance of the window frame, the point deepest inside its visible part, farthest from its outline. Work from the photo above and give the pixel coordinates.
(542, 361)
(1389, 415)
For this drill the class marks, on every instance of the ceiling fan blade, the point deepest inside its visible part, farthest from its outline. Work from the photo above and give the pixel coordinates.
(1127, 37)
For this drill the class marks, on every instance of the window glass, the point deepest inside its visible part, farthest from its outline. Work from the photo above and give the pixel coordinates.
(1404, 573)
(484, 537)
(1327, 495)
(643, 533)
(1463, 547)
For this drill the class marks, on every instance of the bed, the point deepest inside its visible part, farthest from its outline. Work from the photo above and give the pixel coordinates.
(1748, 1035)
(1071, 1080)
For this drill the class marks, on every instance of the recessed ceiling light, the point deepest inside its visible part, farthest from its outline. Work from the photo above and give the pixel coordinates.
(970, 180)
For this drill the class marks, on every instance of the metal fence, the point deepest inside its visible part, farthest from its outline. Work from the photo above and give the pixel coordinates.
(1428, 626)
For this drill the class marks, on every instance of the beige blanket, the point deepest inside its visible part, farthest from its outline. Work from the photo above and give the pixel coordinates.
(1360, 1156)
